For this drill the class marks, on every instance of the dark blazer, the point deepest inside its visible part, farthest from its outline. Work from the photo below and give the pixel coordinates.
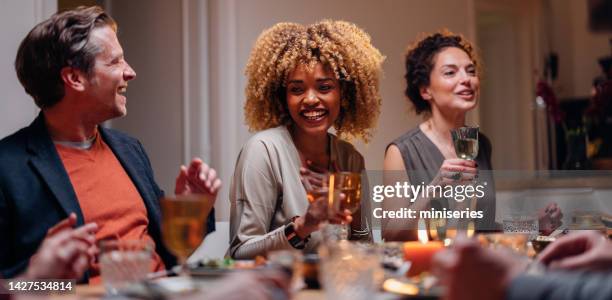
(36, 192)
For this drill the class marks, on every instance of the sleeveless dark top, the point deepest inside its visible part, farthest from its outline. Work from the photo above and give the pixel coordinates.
(423, 159)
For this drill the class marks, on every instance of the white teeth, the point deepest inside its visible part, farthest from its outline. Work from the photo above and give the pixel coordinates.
(122, 90)
(313, 114)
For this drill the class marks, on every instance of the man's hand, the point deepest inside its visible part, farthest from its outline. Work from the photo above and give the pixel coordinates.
(198, 178)
(471, 272)
(586, 250)
(65, 252)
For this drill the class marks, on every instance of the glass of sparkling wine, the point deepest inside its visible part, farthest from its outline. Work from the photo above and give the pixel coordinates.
(184, 224)
(465, 140)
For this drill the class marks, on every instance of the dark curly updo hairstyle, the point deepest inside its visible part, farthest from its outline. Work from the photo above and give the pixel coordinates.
(420, 62)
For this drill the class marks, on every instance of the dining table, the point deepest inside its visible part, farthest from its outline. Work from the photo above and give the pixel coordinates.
(97, 292)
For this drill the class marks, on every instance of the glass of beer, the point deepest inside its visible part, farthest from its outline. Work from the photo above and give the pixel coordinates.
(343, 192)
(184, 223)
(349, 184)
(346, 183)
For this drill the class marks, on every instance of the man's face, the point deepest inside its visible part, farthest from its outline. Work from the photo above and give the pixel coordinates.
(106, 86)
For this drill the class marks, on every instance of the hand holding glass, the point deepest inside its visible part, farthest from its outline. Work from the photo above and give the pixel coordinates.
(333, 186)
(343, 192)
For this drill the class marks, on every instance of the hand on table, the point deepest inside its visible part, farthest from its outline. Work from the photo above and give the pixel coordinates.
(65, 252)
(585, 250)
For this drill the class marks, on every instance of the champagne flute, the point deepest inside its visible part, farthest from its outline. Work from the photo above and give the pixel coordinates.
(465, 140)
(184, 224)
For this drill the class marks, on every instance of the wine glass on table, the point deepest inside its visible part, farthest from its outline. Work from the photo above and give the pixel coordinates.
(184, 224)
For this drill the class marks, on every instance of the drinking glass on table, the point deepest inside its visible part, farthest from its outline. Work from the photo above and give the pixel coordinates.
(124, 262)
(184, 224)
(521, 223)
(347, 184)
(349, 271)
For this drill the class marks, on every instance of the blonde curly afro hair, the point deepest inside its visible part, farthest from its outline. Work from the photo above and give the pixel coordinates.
(339, 45)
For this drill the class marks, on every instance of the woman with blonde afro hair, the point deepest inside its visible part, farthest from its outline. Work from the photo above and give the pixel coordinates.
(302, 80)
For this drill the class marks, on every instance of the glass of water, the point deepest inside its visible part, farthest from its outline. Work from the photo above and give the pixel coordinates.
(348, 271)
(521, 223)
(124, 262)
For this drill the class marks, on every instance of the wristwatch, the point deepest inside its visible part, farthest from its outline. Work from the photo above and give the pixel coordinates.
(295, 240)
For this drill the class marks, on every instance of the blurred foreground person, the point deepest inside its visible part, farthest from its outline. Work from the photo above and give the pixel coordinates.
(580, 267)
(269, 284)
(65, 253)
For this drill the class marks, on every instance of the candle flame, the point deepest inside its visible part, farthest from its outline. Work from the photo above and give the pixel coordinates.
(422, 231)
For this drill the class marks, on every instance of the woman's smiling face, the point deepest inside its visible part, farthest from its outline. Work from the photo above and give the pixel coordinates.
(313, 99)
(453, 82)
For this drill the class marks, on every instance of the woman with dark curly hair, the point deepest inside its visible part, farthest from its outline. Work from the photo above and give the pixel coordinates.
(302, 80)
(443, 84)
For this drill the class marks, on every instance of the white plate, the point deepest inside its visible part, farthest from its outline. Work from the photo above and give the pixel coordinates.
(178, 284)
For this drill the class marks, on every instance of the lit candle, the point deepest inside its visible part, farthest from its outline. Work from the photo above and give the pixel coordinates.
(419, 253)
(470, 229)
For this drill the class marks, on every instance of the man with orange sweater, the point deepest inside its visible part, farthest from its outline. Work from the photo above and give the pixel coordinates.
(63, 163)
